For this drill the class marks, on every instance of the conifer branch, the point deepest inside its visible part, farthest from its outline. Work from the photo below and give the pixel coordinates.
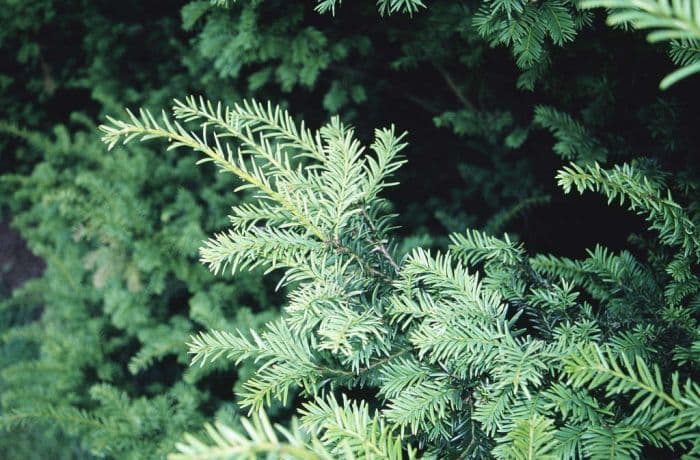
(666, 20)
(148, 128)
(259, 437)
(625, 184)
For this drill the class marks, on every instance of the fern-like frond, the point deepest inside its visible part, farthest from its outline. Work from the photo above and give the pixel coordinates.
(531, 439)
(626, 185)
(385, 7)
(574, 142)
(425, 407)
(217, 150)
(258, 438)
(656, 409)
(350, 429)
(474, 247)
(212, 345)
(268, 247)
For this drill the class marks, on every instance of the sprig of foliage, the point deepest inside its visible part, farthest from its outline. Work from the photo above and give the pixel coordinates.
(678, 20)
(385, 7)
(525, 27)
(628, 186)
(574, 143)
(442, 345)
(259, 437)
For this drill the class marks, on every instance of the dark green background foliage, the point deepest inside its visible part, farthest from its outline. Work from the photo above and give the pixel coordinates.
(496, 96)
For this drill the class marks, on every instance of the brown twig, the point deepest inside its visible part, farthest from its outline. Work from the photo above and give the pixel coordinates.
(378, 245)
(341, 249)
(453, 87)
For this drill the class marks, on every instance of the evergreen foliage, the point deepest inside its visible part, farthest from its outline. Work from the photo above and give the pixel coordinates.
(411, 324)
(444, 348)
(526, 27)
(677, 21)
(112, 309)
